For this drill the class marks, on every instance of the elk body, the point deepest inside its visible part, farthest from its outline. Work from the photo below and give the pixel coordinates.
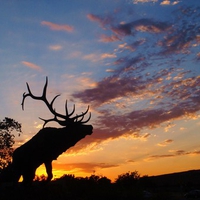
(49, 142)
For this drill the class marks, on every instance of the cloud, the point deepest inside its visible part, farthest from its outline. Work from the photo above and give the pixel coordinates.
(184, 103)
(174, 153)
(102, 20)
(183, 36)
(164, 2)
(179, 36)
(82, 81)
(94, 57)
(108, 55)
(179, 152)
(153, 157)
(74, 55)
(93, 17)
(168, 2)
(143, 1)
(118, 86)
(58, 27)
(145, 136)
(165, 143)
(154, 77)
(55, 47)
(110, 70)
(31, 65)
(83, 167)
(112, 38)
(122, 30)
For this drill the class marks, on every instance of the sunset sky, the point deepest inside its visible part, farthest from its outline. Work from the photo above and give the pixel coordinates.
(136, 63)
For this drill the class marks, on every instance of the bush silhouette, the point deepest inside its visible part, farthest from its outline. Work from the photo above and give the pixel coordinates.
(128, 179)
(7, 126)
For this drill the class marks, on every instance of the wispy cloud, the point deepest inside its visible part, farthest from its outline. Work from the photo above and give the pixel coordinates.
(163, 2)
(145, 136)
(112, 38)
(55, 47)
(58, 27)
(31, 65)
(173, 153)
(102, 20)
(108, 55)
(83, 167)
(95, 57)
(143, 1)
(169, 2)
(92, 57)
(165, 143)
(158, 157)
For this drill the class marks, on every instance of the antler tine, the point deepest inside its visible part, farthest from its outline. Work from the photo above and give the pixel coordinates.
(26, 95)
(43, 97)
(45, 88)
(66, 110)
(81, 115)
(81, 120)
(86, 120)
(62, 123)
(51, 104)
(45, 121)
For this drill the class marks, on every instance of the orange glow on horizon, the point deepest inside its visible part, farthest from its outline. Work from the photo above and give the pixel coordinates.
(149, 168)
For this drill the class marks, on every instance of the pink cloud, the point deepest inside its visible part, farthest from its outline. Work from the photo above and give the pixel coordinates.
(58, 27)
(32, 65)
(102, 20)
(112, 38)
(94, 17)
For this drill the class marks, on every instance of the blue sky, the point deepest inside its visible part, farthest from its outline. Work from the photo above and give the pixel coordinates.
(135, 62)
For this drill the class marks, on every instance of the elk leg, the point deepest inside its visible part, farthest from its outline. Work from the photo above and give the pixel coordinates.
(48, 166)
(16, 177)
(28, 176)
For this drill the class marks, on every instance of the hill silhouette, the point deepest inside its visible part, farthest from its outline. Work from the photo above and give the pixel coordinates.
(189, 179)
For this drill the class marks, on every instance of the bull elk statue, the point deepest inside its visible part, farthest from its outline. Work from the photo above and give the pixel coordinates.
(49, 142)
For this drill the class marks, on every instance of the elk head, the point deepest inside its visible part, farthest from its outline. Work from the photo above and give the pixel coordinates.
(67, 120)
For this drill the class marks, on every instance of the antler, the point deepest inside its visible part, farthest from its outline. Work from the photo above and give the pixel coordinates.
(67, 120)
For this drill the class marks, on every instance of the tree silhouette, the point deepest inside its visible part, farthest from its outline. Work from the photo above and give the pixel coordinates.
(7, 126)
(128, 179)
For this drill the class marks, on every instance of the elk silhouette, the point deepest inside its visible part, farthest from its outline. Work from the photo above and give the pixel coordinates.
(49, 142)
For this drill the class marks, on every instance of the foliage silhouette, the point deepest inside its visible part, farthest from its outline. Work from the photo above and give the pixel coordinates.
(7, 126)
(128, 179)
(89, 188)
